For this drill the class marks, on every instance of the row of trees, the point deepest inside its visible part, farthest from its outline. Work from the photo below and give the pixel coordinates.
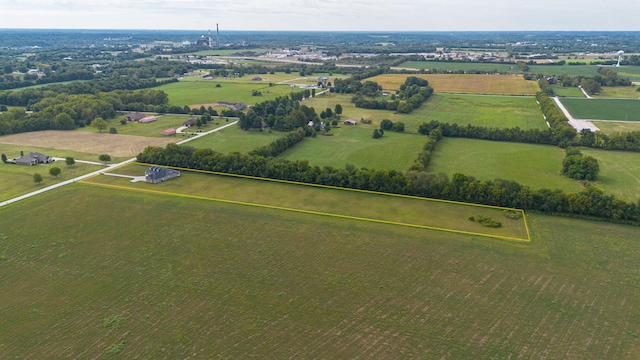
(590, 202)
(281, 144)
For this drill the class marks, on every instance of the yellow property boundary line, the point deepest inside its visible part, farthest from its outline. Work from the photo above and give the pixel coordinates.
(323, 213)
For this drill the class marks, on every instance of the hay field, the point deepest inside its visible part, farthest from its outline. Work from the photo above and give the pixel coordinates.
(85, 142)
(180, 278)
(465, 84)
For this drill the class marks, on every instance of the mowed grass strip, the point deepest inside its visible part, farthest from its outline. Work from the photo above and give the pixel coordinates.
(168, 277)
(611, 127)
(603, 109)
(411, 211)
(537, 166)
(619, 173)
(153, 129)
(234, 139)
(17, 180)
(355, 145)
(465, 83)
(200, 92)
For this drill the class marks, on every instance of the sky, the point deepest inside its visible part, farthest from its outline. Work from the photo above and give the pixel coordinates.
(318, 15)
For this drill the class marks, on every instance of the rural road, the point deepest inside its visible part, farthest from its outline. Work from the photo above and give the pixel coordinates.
(576, 123)
(109, 167)
(584, 92)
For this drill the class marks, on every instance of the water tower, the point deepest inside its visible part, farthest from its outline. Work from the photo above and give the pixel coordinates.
(620, 53)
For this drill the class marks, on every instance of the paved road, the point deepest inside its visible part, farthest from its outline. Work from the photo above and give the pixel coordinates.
(98, 172)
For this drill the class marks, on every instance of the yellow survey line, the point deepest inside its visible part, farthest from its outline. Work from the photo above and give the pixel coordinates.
(305, 211)
(526, 226)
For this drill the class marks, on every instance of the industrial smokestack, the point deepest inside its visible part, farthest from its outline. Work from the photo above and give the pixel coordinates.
(210, 40)
(217, 36)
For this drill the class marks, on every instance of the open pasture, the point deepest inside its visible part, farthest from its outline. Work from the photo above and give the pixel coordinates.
(465, 84)
(234, 139)
(118, 146)
(205, 92)
(610, 127)
(619, 172)
(170, 277)
(603, 109)
(17, 180)
(278, 77)
(491, 111)
(355, 145)
(340, 202)
(622, 92)
(537, 166)
(568, 91)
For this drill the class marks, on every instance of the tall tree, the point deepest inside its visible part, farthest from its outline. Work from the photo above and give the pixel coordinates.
(99, 123)
(104, 158)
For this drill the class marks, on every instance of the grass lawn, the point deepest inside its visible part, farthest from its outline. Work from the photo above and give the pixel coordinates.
(170, 277)
(603, 109)
(205, 92)
(537, 166)
(356, 146)
(13, 151)
(17, 180)
(331, 201)
(619, 173)
(491, 111)
(563, 91)
(465, 84)
(233, 139)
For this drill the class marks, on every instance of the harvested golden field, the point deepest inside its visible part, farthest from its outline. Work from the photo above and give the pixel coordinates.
(465, 83)
(90, 143)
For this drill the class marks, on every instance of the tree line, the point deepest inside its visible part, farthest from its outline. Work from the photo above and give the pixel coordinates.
(591, 202)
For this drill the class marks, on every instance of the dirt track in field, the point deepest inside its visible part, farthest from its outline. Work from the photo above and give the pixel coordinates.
(91, 143)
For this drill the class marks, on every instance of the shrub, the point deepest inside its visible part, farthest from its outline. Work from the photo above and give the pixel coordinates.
(513, 215)
(113, 131)
(488, 222)
(123, 121)
(376, 134)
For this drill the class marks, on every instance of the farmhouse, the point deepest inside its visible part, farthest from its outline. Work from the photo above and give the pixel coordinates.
(133, 116)
(148, 119)
(168, 132)
(189, 123)
(233, 106)
(349, 122)
(33, 158)
(157, 174)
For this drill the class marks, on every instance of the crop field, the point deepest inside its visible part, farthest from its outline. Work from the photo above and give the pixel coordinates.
(491, 111)
(340, 202)
(356, 146)
(465, 84)
(537, 166)
(234, 139)
(619, 173)
(603, 109)
(17, 180)
(118, 146)
(610, 127)
(201, 92)
(170, 277)
(226, 52)
(441, 65)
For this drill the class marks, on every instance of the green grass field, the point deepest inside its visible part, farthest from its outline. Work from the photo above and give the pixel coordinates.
(610, 127)
(604, 109)
(559, 90)
(174, 278)
(13, 151)
(275, 78)
(17, 180)
(410, 211)
(205, 92)
(619, 173)
(491, 111)
(153, 129)
(537, 166)
(234, 139)
(356, 146)
(624, 92)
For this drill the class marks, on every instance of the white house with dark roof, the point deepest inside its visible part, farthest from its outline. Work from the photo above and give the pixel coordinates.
(33, 158)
